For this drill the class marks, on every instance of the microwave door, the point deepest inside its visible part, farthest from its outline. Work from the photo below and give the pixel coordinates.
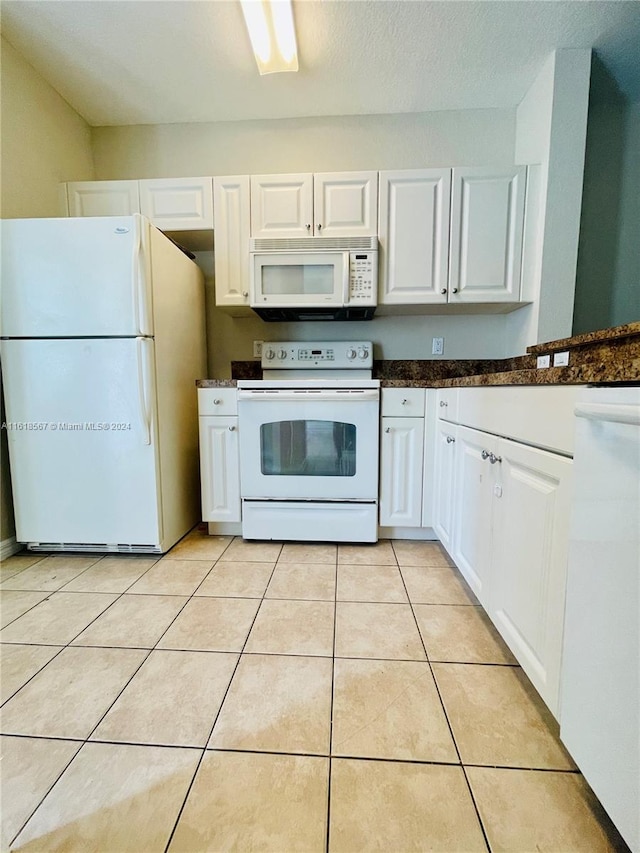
(304, 279)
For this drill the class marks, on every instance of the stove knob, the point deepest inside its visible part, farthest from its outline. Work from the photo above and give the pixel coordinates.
(282, 353)
(363, 353)
(351, 353)
(269, 353)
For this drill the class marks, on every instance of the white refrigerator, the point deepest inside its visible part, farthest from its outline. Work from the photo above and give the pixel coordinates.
(102, 339)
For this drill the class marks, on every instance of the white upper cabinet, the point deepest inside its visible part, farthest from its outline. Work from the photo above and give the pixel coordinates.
(414, 236)
(487, 216)
(177, 204)
(327, 204)
(232, 223)
(345, 203)
(281, 205)
(103, 198)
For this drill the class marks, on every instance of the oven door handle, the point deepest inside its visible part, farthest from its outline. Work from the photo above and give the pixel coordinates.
(309, 396)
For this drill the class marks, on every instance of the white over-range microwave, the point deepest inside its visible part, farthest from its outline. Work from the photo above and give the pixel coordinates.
(314, 278)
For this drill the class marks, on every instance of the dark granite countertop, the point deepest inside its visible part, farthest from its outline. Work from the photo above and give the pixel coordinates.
(605, 356)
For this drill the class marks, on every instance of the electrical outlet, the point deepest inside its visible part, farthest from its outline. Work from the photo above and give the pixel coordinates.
(437, 346)
(543, 361)
(560, 359)
(257, 349)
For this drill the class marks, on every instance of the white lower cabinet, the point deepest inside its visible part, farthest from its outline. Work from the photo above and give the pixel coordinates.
(529, 559)
(502, 511)
(401, 458)
(472, 507)
(219, 455)
(444, 471)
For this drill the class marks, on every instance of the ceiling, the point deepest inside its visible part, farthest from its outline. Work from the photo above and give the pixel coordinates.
(148, 62)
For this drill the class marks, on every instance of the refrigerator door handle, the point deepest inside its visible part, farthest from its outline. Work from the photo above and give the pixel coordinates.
(138, 276)
(142, 384)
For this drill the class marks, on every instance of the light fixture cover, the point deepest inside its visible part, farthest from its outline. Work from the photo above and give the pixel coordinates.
(272, 34)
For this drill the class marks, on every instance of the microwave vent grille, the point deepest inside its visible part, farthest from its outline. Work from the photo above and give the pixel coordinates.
(312, 244)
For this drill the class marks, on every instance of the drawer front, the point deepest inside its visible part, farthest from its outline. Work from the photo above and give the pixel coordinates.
(217, 401)
(403, 402)
(447, 404)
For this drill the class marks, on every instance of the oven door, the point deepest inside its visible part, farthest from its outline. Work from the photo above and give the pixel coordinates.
(309, 444)
(302, 279)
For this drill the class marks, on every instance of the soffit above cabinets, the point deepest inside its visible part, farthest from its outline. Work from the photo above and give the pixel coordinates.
(151, 62)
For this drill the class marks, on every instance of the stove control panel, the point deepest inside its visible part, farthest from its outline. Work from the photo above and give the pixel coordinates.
(321, 355)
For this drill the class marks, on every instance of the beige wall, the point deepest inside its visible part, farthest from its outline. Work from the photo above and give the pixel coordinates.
(43, 142)
(336, 143)
(323, 144)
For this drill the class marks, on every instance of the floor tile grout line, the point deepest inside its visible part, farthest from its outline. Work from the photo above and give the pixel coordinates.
(455, 743)
(567, 771)
(215, 720)
(333, 678)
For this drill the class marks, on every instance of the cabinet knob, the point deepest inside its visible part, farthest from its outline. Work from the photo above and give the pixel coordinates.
(319, 227)
(308, 227)
(232, 429)
(450, 439)
(404, 402)
(245, 293)
(493, 458)
(217, 402)
(443, 291)
(455, 289)
(442, 404)
(387, 429)
(485, 454)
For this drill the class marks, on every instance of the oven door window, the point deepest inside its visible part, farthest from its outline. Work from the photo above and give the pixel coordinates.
(308, 448)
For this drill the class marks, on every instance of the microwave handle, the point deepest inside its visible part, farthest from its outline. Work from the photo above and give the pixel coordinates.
(346, 272)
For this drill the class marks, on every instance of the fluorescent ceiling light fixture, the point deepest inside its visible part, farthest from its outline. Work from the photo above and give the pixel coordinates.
(272, 34)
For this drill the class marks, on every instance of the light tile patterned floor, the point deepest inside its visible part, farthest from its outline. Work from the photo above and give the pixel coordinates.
(258, 696)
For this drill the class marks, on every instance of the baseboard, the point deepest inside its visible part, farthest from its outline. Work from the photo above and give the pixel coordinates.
(8, 547)
(426, 533)
(224, 528)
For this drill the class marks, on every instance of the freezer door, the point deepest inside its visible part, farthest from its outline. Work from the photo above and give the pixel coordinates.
(82, 440)
(76, 277)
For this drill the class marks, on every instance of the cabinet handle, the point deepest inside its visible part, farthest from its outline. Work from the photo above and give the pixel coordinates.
(443, 291)
(485, 454)
(442, 404)
(217, 402)
(404, 402)
(308, 227)
(232, 429)
(319, 227)
(387, 429)
(455, 289)
(493, 458)
(450, 439)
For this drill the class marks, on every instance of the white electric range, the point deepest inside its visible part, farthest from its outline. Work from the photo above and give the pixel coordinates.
(309, 444)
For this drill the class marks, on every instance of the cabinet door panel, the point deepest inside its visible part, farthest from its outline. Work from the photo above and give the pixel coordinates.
(219, 469)
(414, 236)
(103, 198)
(345, 203)
(531, 520)
(487, 217)
(281, 205)
(474, 489)
(231, 217)
(176, 204)
(401, 472)
(444, 493)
